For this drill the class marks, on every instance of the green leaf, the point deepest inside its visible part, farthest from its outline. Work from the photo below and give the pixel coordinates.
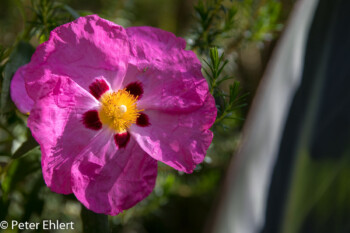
(17, 170)
(26, 148)
(224, 79)
(19, 57)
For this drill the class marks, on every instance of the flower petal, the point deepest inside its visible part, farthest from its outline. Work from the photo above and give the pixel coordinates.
(122, 139)
(84, 50)
(171, 76)
(56, 122)
(91, 120)
(178, 140)
(142, 120)
(107, 180)
(98, 88)
(135, 89)
(18, 92)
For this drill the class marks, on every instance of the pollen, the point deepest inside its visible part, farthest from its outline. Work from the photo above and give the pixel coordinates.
(118, 110)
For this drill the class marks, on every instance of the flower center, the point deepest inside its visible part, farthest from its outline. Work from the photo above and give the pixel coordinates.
(119, 110)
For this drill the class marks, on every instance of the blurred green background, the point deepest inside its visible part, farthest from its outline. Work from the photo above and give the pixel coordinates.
(244, 32)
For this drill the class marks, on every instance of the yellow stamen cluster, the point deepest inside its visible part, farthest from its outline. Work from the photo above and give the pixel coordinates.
(118, 110)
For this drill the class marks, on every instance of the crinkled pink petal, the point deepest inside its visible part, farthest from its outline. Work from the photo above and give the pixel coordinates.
(85, 49)
(56, 123)
(107, 180)
(171, 76)
(178, 140)
(18, 92)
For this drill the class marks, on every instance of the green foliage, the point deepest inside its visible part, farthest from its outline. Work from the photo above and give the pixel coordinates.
(214, 19)
(228, 25)
(48, 15)
(28, 147)
(18, 178)
(236, 21)
(267, 21)
(227, 103)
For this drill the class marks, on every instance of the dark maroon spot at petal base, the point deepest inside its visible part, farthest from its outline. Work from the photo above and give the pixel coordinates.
(135, 88)
(98, 87)
(91, 120)
(122, 139)
(142, 120)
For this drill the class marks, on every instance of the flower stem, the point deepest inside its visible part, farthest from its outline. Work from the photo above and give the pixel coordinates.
(93, 222)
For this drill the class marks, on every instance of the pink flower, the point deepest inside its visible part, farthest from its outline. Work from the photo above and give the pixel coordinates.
(106, 103)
